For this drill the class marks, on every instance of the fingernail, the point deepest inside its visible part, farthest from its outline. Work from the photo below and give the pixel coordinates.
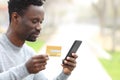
(65, 61)
(68, 57)
(73, 53)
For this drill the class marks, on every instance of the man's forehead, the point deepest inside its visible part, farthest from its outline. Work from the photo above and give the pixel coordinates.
(41, 8)
(35, 9)
(34, 12)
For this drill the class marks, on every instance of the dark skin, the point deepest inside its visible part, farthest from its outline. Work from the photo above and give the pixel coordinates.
(28, 27)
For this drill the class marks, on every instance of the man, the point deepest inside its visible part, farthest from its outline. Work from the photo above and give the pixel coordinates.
(17, 60)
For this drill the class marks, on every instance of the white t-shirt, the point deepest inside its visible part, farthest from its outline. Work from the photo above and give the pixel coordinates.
(12, 62)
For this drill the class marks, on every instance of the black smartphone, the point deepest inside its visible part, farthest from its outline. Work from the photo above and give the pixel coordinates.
(73, 48)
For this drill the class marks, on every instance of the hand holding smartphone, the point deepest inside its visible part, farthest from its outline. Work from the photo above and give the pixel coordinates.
(73, 48)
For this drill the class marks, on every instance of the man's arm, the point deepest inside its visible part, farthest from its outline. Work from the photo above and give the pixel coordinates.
(32, 66)
(15, 73)
(62, 76)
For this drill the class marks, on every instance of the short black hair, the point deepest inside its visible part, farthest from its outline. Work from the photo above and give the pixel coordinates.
(20, 6)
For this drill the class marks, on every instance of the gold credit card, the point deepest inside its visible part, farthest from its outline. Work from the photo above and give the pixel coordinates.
(53, 50)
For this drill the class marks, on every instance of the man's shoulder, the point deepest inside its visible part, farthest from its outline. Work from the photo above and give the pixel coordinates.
(2, 37)
(3, 44)
(2, 49)
(1, 41)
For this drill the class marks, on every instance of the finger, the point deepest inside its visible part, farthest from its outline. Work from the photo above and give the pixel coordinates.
(40, 68)
(71, 59)
(40, 56)
(40, 60)
(74, 55)
(70, 63)
(40, 64)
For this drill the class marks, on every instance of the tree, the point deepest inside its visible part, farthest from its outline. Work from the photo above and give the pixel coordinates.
(108, 19)
(115, 8)
(100, 9)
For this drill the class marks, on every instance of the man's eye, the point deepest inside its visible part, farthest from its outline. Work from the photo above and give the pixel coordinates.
(41, 22)
(34, 21)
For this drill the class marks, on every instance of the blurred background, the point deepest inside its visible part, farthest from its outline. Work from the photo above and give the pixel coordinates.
(95, 22)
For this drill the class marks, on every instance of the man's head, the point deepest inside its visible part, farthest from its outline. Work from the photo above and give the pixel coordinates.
(20, 6)
(25, 17)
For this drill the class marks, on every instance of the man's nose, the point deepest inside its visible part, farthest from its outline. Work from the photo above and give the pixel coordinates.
(38, 27)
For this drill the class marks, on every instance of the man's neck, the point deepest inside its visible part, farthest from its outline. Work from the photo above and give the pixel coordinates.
(15, 40)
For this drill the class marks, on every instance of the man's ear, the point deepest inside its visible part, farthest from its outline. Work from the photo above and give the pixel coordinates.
(15, 17)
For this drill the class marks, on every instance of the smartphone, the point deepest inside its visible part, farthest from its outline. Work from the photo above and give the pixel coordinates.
(73, 48)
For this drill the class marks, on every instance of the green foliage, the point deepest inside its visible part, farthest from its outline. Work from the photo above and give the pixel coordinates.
(36, 45)
(113, 65)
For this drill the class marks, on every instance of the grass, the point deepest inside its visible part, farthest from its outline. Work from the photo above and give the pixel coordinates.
(112, 66)
(36, 45)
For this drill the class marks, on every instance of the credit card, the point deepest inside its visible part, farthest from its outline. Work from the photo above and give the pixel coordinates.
(53, 50)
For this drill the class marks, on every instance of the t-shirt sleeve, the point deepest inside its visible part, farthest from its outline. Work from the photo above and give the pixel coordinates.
(61, 76)
(15, 73)
(41, 76)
